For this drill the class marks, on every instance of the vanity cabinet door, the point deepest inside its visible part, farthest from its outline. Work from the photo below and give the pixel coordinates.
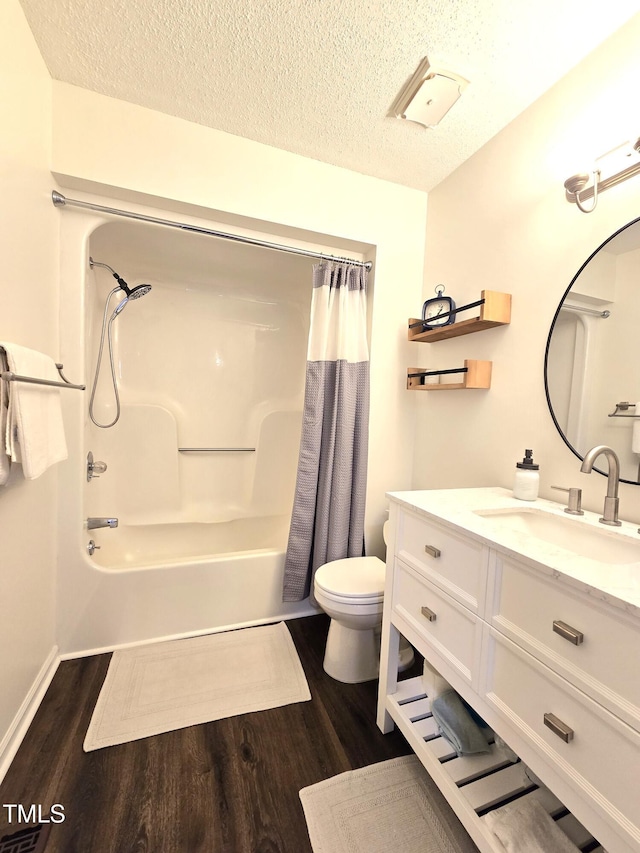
(455, 563)
(437, 622)
(597, 753)
(587, 642)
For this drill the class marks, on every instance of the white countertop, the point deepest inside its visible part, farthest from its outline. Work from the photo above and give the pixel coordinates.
(616, 583)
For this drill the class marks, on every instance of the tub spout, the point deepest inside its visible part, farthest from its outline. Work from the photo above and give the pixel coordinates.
(93, 523)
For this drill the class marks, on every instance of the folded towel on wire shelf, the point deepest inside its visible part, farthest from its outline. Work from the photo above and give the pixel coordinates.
(523, 826)
(459, 724)
(32, 418)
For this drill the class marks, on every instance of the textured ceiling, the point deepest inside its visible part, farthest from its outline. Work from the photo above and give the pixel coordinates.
(318, 77)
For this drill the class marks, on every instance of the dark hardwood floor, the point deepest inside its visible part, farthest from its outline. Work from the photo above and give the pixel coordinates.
(229, 786)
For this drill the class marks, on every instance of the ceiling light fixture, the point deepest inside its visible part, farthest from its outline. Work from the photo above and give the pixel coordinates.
(429, 95)
(610, 169)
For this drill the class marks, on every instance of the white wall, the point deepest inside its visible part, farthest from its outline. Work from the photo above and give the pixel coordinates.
(501, 222)
(29, 316)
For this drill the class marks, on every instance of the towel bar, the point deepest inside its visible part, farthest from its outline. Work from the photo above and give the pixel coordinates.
(622, 407)
(216, 449)
(9, 376)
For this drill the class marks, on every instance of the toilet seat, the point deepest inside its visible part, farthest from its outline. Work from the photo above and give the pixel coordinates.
(356, 580)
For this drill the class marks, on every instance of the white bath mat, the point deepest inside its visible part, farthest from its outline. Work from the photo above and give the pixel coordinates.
(165, 686)
(391, 806)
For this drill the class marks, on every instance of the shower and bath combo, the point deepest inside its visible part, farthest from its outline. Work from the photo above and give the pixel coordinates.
(130, 293)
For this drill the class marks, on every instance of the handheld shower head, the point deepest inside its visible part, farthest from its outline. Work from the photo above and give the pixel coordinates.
(119, 307)
(129, 293)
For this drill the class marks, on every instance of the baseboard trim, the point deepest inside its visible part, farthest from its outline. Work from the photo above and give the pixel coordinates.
(21, 722)
(308, 610)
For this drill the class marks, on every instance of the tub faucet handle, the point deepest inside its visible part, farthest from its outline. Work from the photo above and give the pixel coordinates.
(574, 506)
(94, 469)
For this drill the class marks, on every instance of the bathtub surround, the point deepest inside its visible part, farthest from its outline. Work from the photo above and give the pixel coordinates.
(202, 526)
(252, 189)
(153, 689)
(327, 521)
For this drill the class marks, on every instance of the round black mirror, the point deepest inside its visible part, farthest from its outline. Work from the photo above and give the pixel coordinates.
(592, 358)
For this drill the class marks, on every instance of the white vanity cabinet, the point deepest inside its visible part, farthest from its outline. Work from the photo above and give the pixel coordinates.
(595, 648)
(551, 662)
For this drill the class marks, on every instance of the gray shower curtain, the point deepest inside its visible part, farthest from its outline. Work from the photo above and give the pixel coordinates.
(327, 521)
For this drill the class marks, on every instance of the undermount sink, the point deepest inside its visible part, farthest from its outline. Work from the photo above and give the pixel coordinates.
(571, 534)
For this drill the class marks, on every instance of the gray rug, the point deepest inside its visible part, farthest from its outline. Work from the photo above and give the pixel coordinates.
(391, 807)
(165, 686)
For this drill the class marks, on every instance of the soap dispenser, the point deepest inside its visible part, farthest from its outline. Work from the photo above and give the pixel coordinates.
(527, 479)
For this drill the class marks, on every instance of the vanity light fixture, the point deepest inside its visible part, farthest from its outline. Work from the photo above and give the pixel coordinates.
(610, 169)
(428, 95)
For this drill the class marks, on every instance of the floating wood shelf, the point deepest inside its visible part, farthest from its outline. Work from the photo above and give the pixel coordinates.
(495, 310)
(476, 374)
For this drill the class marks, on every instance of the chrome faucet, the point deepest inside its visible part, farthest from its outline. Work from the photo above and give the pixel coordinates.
(610, 512)
(93, 523)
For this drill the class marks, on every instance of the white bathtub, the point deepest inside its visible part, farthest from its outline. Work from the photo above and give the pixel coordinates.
(195, 577)
(166, 581)
(138, 546)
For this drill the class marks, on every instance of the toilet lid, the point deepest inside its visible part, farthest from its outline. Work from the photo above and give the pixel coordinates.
(357, 577)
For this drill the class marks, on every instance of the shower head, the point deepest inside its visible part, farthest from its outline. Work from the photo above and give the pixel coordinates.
(137, 291)
(132, 292)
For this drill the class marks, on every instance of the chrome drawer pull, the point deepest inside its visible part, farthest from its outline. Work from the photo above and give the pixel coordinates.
(433, 552)
(428, 614)
(558, 727)
(572, 634)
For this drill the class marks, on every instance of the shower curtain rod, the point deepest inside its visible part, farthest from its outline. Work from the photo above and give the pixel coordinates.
(60, 200)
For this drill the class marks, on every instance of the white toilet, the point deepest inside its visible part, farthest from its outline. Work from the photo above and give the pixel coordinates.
(351, 592)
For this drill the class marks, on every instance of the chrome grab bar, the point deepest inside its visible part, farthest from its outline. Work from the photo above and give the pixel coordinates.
(216, 449)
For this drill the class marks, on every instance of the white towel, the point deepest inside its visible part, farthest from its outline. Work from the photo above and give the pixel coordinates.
(525, 827)
(635, 430)
(5, 459)
(34, 433)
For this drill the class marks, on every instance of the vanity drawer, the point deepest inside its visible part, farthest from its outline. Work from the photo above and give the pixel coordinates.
(547, 618)
(438, 621)
(602, 751)
(455, 563)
